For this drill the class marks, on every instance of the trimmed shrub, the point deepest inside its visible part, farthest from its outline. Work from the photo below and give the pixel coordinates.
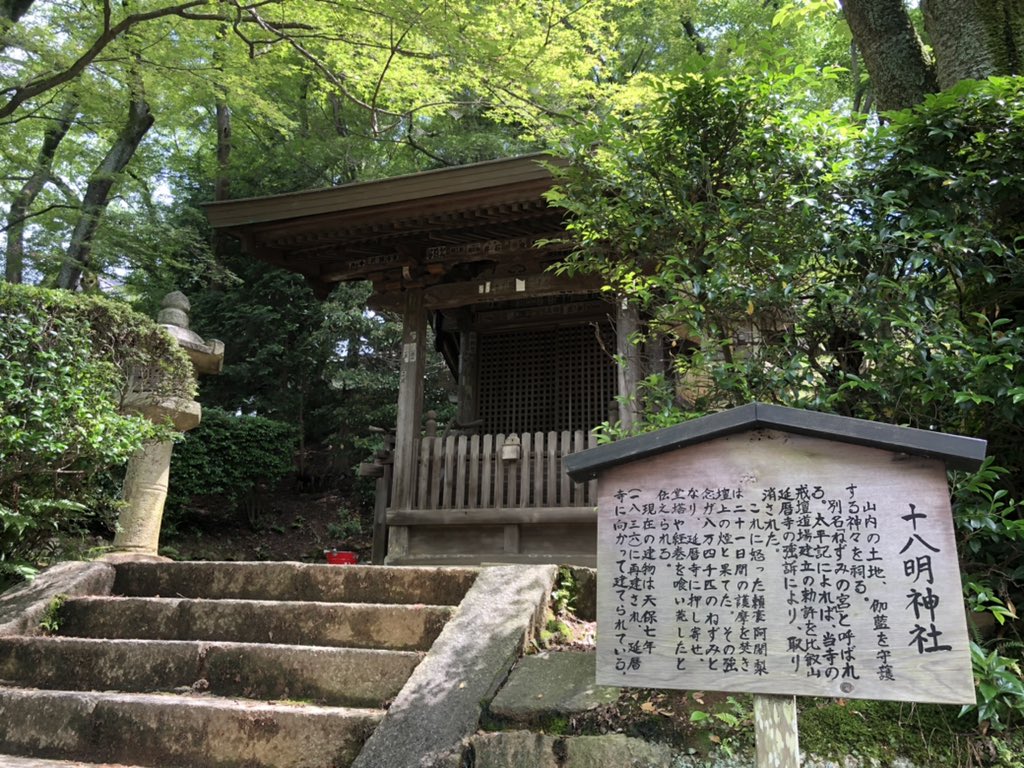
(66, 362)
(226, 461)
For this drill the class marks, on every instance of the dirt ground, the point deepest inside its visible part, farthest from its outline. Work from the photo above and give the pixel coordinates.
(285, 525)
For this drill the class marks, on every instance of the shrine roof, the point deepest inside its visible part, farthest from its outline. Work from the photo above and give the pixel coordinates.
(507, 173)
(956, 451)
(389, 228)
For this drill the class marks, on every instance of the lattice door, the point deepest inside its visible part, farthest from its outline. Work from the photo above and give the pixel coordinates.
(558, 379)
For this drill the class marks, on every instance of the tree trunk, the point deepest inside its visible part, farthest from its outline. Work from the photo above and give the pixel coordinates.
(97, 193)
(222, 185)
(974, 39)
(901, 74)
(12, 10)
(15, 262)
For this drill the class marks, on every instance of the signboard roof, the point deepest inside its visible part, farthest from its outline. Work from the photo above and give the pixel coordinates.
(956, 451)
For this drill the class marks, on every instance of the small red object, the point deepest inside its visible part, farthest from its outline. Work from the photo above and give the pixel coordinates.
(334, 557)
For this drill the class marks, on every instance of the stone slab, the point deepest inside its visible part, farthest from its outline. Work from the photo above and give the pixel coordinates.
(525, 749)
(337, 625)
(556, 682)
(442, 702)
(23, 606)
(352, 677)
(10, 761)
(615, 749)
(585, 603)
(178, 731)
(295, 581)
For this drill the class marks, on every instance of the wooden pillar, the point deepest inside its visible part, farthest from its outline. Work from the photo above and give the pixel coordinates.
(627, 323)
(775, 731)
(410, 413)
(654, 348)
(469, 373)
(380, 508)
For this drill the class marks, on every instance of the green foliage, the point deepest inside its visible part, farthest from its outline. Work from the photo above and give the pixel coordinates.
(563, 597)
(347, 526)
(1008, 751)
(871, 271)
(708, 209)
(804, 260)
(276, 346)
(730, 726)
(66, 365)
(229, 459)
(886, 732)
(50, 621)
(991, 533)
(1000, 688)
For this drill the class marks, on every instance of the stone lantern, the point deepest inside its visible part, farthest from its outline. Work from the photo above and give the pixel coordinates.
(145, 484)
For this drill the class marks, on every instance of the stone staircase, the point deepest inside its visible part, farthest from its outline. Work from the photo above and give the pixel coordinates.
(276, 665)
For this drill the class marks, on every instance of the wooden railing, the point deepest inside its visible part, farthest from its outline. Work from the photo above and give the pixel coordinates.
(499, 472)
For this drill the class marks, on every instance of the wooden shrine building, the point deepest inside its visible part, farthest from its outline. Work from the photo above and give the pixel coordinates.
(533, 352)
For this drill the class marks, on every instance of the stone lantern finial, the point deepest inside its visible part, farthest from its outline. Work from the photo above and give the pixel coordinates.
(174, 310)
(206, 356)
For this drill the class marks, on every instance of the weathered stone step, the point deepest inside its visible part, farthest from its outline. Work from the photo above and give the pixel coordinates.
(295, 581)
(348, 625)
(10, 761)
(335, 676)
(179, 731)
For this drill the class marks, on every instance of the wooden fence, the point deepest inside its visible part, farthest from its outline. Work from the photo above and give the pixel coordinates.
(495, 472)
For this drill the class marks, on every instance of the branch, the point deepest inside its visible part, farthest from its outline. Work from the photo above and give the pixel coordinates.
(694, 36)
(337, 80)
(533, 104)
(69, 194)
(28, 216)
(33, 88)
(420, 148)
(395, 45)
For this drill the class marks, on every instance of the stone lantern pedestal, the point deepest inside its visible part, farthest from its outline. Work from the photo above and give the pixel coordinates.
(145, 484)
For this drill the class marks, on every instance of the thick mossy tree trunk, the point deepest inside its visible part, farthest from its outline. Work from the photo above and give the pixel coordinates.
(969, 38)
(12, 10)
(901, 74)
(974, 38)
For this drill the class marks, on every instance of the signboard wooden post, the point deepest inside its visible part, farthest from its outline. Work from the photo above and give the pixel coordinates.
(781, 553)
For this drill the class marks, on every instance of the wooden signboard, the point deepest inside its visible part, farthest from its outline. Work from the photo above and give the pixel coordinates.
(777, 563)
